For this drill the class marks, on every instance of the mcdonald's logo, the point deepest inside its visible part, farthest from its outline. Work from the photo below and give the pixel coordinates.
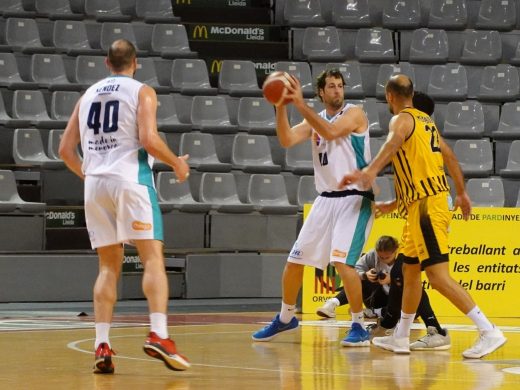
(216, 65)
(183, 2)
(200, 31)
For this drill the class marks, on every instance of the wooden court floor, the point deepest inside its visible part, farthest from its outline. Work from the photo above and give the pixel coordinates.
(55, 351)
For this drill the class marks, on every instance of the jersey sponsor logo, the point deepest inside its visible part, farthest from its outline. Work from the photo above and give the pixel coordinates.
(338, 253)
(296, 253)
(138, 225)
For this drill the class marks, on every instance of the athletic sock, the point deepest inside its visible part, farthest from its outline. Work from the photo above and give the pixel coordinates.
(159, 324)
(432, 321)
(403, 326)
(359, 318)
(287, 313)
(479, 319)
(102, 331)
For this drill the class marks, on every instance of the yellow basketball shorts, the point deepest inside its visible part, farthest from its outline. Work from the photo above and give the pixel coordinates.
(425, 234)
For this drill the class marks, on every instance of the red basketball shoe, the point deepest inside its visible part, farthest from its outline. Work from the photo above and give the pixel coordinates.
(165, 350)
(103, 363)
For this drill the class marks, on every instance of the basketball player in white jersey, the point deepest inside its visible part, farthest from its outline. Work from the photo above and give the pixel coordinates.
(341, 218)
(115, 122)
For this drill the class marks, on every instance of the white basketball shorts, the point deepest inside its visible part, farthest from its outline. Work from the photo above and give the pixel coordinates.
(120, 212)
(335, 230)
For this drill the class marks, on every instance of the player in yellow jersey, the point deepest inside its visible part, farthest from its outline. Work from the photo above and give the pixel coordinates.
(418, 154)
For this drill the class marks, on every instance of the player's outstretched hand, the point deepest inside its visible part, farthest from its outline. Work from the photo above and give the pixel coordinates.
(182, 169)
(294, 91)
(362, 178)
(464, 203)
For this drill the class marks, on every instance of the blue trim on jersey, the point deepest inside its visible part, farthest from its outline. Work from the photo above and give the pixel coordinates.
(145, 178)
(358, 240)
(358, 144)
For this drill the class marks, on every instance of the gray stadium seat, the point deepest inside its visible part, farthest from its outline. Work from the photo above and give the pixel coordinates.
(481, 48)
(48, 70)
(111, 31)
(157, 11)
(352, 76)
(210, 114)
(512, 169)
(486, 192)
(220, 190)
(509, 123)
(298, 159)
(464, 120)
(53, 144)
(173, 195)
(62, 104)
(374, 45)
(7, 120)
(351, 14)
(375, 145)
(401, 14)
(499, 83)
(496, 15)
(303, 13)
(300, 70)
(70, 36)
(28, 150)
(269, 195)
(252, 154)
(30, 106)
(56, 9)
(90, 69)
(448, 82)
(385, 190)
(23, 35)
(167, 118)
(10, 199)
(146, 73)
(238, 78)
(202, 151)
(475, 157)
(429, 46)
(190, 77)
(306, 192)
(321, 44)
(294, 115)
(10, 75)
(16, 9)
(388, 70)
(256, 116)
(171, 41)
(448, 14)
(374, 125)
(105, 11)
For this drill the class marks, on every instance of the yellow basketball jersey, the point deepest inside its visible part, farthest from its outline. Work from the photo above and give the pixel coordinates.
(418, 165)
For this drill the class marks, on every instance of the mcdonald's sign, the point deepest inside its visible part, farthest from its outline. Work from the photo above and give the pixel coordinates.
(216, 65)
(199, 32)
(188, 2)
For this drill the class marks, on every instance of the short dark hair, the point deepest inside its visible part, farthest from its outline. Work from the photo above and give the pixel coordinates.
(423, 102)
(400, 85)
(387, 244)
(121, 53)
(321, 80)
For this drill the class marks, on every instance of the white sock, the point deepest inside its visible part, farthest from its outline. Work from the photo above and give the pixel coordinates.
(335, 301)
(102, 330)
(159, 324)
(403, 326)
(479, 319)
(378, 312)
(359, 318)
(287, 312)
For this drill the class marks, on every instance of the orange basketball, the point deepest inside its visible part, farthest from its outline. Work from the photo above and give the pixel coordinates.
(274, 88)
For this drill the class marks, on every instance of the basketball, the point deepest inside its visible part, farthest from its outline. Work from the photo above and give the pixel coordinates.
(274, 88)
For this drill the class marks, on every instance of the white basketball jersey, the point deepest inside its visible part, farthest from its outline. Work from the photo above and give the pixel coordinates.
(333, 159)
(109, 134)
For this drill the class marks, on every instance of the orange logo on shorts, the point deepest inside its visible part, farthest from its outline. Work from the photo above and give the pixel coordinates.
(337, 253)
(138, 225)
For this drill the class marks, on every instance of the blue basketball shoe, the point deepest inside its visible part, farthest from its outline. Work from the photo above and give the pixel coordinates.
(356, 337)
(274, 328)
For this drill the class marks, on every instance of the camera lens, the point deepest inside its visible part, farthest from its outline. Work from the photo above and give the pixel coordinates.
(381, 275)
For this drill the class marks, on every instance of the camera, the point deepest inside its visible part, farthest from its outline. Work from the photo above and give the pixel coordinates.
(381, 275)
